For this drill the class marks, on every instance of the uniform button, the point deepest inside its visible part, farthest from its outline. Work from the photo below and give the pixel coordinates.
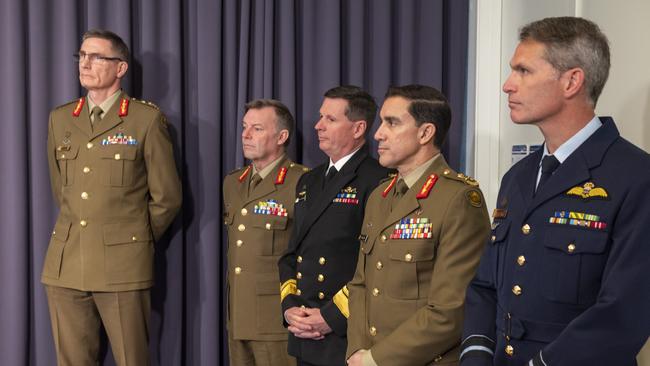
(134, 238)
(299, 259)
(321, 260)
(383, 238)
(516, 290)
(373, 331)
(571, 247)
(521, 260)
(239, 243)
(83, 223)
(53, 232)
(89, 145)
(298, 292)
(267, 226)
(86, 170)
(62, 156)
(375, 292)
(380, 265)
(241, 227)
(408, 257)
(525, 229)
(321, 295)
(510, 350)
(237, 270)
(298, 275)
(321, 278)
(244, 212)
(117, 157)
(493, 238)
(84, 195)
(446, 172)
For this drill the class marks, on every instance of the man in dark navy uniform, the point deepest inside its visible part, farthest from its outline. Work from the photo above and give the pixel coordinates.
(563, 280)
(323, 249)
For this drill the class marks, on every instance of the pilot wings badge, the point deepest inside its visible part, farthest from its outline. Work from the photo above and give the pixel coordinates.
(588, 191)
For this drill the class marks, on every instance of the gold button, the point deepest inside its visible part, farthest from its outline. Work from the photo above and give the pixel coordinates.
(516, 290)
(321, 295)
(89, 145)
(373, 331)
(241, 227)
(53, 232)
(493, 238)
(380, 265)
(408, 257)
(321, 278)
(244, 212)
(571, 247)
(525, 229)
(237, 270)
(521, 260)
(83, 223)
(117, 157)
(437, 359)
(446, 172)
(268, 226)
(84, 195)
(299, 259)
(298, 292)
(321, 260)
(298, 275)
(62, 156)
(134, 238)
(510, 350)
(239, 243)
(375, 292)
(86, 169)
(383, 238)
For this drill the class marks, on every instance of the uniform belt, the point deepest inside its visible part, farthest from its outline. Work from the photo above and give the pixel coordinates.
(518, 328)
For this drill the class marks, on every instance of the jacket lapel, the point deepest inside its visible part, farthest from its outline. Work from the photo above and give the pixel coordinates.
(82, 122)
(266, 186)
(111, 118)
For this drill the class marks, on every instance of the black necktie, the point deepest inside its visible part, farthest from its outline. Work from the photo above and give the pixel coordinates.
(330, 174)
(549, 165)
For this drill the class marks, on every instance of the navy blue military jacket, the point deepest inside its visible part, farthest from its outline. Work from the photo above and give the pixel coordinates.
(323, 250)
(564, 276)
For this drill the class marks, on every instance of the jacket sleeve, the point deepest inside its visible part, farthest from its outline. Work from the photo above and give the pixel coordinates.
(614, 329)
(435, 328)
(55, 173)
(162, 177)
(357, 301)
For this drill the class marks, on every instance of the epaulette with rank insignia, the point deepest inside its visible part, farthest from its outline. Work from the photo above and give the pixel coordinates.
(389, 177)
(144, 102)
(460, 177)
(298, 167)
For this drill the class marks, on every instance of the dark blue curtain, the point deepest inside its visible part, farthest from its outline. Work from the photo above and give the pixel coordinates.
(200, 61)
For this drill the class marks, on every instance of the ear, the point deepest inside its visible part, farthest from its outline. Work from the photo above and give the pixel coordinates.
(573, 82)
(426, 133)
(282, 137)
(121, 69)
(359, 129)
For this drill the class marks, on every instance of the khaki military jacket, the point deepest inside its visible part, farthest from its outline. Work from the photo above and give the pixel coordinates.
(406, 297)
(118, 190)
(259, 225)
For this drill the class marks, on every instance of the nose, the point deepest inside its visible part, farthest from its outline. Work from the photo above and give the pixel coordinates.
(508, 85)
(379, 134)
(319, 125)
(246, 133)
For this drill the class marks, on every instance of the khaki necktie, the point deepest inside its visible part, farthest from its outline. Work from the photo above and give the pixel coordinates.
(255, 180)
(400, 191)
(95, 114)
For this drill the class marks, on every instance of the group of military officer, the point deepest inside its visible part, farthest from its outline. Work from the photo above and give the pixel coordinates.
(359, 261)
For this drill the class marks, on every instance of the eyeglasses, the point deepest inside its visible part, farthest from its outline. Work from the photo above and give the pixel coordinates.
(93, 58)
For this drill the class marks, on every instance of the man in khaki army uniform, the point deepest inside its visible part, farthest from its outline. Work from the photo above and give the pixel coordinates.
(421, 241)
(259, 216)
(114, 178)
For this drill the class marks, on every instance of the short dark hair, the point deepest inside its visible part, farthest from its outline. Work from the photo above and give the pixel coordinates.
(117, 43)
(361, 105)
(573, 42)
(284, 118)
(427, 105)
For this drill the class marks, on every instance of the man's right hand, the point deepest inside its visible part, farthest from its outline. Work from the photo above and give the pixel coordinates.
(296, 316)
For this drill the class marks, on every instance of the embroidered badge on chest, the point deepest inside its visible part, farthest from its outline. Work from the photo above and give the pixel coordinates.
(270, 207)
(588, 191)
(412, 228)
(347, 195)
(119, 139)
(577, 219)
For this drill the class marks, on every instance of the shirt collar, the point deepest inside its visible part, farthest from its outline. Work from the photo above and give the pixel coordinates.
(105, 105)
(417, 173)
(570, 145)
(341, 162)
(267, 169)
